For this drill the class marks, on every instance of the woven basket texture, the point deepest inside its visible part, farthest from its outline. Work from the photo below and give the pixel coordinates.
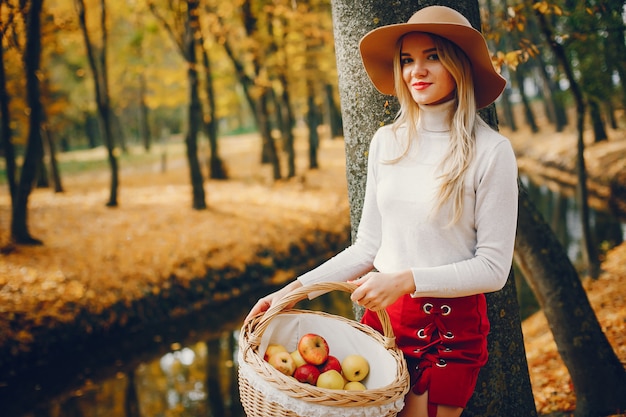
(264, 391)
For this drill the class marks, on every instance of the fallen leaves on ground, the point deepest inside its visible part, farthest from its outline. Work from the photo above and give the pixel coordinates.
(552, 386)
(94, 256)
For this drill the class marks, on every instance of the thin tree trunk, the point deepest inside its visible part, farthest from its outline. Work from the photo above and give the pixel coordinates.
(313, 122)
(528, 111)
(144, 115)
(131, 401)
(589, 249)
(101, 88)
(5, 129)
(287, 124)
(195, 109)
(34, 147)
(599, 131)
(217, 171)
(54, 166)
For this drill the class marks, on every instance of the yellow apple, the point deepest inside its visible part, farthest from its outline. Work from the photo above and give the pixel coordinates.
(354, 386)
(283, 362)
(272, 349)
(355, 367)
(330, 379)
(297, 358)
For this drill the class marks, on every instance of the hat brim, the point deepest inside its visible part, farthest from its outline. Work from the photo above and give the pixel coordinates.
(378, 47)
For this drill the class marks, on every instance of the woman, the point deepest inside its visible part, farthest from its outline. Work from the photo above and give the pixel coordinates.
(440, 209)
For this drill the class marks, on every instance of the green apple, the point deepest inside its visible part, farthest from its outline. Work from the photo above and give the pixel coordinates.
(297, 358)
(355, 367)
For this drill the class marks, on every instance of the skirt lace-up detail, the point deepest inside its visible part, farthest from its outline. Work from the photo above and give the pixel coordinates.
(444, 342)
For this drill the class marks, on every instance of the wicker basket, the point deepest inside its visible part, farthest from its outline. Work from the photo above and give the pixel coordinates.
(266, 392)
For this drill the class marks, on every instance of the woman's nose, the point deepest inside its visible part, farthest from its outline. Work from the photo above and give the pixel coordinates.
(418, 69)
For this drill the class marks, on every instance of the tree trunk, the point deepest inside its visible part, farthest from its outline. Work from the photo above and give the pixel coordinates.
(217, 171)
(101, 88)
(54, 166)
(504, 385)
(589, 250)
(5, 128)
(144, 111)
(551, 88)
(528, 111)
(334, 113)
(599, 131)
(34, 147)
(131, 401)
(313, 122)
(287, 124)
(583, 347)
(195, 109)
(259, 106)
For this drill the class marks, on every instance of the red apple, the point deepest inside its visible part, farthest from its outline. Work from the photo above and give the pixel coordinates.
(331, 363)
(283, 362)
(313, 348)
(307, 373)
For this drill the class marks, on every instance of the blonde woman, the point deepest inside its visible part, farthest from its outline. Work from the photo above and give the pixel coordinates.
(440, 211)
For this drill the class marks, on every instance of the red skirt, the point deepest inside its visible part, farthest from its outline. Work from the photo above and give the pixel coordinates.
(444, 341)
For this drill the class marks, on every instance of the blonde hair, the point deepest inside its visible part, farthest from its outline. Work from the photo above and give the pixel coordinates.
(462, 123)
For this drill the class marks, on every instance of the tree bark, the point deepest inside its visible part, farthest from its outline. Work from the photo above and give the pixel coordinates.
(504, 385)
(5, 127)
(195, 108)
(217, 171)
(101, 87)
(579, 338)
(34, 147)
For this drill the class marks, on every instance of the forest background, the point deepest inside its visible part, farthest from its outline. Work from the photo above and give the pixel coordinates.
(132, 80)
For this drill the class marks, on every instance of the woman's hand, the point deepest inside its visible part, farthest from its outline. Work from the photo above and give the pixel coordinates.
(377, 291)
(266, 302)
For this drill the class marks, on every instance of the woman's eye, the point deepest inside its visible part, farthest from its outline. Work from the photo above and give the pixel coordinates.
(433, 57)
(405, 61)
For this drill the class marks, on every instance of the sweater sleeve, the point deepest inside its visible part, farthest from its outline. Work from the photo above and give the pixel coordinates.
(495, 216)
(357, 259)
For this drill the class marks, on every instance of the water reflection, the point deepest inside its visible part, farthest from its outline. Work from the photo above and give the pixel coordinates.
(194, 372)
(562, 211)
(192, 379)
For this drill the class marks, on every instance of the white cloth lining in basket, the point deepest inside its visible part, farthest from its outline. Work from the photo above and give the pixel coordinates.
(306, 409)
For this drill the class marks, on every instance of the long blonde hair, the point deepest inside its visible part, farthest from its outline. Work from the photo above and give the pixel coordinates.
(462, 123)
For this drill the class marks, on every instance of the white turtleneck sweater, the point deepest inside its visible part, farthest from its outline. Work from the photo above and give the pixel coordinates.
(400, 230)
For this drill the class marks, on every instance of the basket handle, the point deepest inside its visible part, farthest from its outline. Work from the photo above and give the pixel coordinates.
(300, 294)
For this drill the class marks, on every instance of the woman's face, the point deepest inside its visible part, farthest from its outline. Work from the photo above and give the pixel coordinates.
(423, 73)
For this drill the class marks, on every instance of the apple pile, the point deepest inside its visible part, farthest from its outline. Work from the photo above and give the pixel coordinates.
(312, 363)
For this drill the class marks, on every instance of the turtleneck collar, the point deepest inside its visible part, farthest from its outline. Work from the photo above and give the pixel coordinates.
(437, 117)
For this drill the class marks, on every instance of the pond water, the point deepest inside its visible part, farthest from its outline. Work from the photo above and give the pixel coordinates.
(188, 368)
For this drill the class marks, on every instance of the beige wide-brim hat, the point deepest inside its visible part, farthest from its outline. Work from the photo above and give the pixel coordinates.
(378, 48)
